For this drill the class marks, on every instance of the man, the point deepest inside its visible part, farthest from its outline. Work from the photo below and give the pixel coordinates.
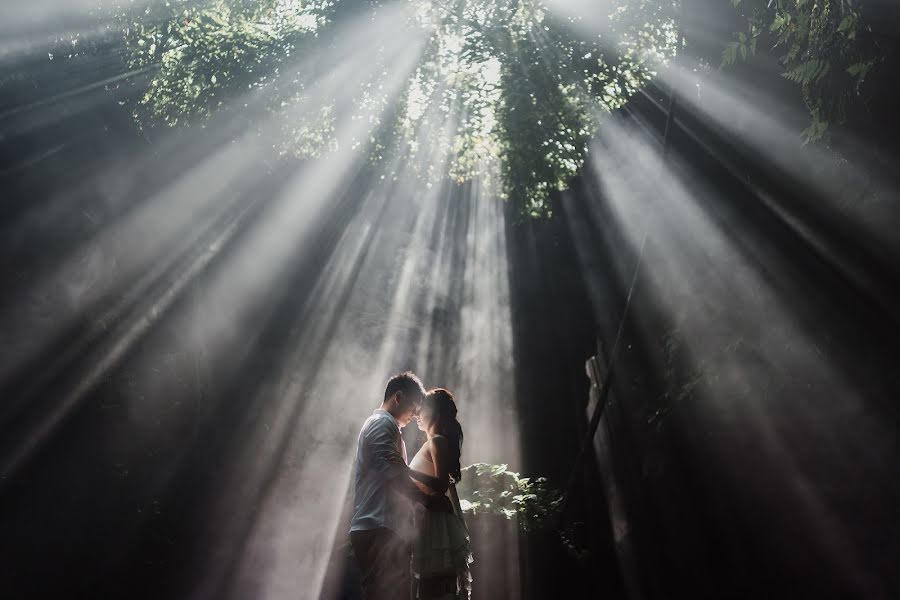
(381, 530)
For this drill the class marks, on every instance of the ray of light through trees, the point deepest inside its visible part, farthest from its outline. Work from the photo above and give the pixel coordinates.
(328, 191)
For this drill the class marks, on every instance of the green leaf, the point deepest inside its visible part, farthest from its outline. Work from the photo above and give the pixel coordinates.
(777, 23)
(860, 69)
(807, 72)
(729, 55)
(792, 53)
(816, 130)
(846, 23)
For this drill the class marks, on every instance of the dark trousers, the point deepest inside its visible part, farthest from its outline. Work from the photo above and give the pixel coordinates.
(383, 558)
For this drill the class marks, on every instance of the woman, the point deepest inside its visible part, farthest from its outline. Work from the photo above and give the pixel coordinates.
(442, 554)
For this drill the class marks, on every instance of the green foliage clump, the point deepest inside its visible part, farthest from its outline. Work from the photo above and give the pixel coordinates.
(494, 489)
(531, 89)
(221, 54)
(824, 46)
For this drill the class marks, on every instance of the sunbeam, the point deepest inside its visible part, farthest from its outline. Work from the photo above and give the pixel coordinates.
(226, 225)
(719, 289)
(747, 117)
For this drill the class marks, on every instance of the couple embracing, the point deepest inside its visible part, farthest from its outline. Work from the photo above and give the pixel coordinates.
(407, 525)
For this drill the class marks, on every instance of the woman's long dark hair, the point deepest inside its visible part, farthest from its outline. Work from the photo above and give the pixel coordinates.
(443, 404)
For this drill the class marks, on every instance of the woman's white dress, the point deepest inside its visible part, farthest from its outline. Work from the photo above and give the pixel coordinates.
(442, 555)
(442, 552)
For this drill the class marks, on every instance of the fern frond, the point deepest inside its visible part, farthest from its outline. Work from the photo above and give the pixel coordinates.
(807, 72)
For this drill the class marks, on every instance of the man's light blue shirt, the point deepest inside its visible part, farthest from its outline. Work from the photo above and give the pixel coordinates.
(380, 458)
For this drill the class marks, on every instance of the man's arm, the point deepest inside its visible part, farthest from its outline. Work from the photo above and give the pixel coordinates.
(386, 457)
(384, 440)
(433, 482)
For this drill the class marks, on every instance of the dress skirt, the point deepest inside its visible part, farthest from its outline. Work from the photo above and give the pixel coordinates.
(441, 556)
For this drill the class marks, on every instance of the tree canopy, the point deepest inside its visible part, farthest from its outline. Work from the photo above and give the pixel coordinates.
(508, 91)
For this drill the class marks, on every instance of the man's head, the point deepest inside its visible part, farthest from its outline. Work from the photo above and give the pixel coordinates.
(402, 396)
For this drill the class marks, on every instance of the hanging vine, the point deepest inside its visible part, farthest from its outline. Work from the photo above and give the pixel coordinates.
(825, 47)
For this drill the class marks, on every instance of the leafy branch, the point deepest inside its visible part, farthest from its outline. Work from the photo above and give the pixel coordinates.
(494, 489)
(825, 47)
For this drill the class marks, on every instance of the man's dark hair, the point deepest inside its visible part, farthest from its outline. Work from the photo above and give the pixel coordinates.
(407, 383)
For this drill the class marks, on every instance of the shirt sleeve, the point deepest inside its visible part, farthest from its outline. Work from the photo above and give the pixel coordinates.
(383, 441)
